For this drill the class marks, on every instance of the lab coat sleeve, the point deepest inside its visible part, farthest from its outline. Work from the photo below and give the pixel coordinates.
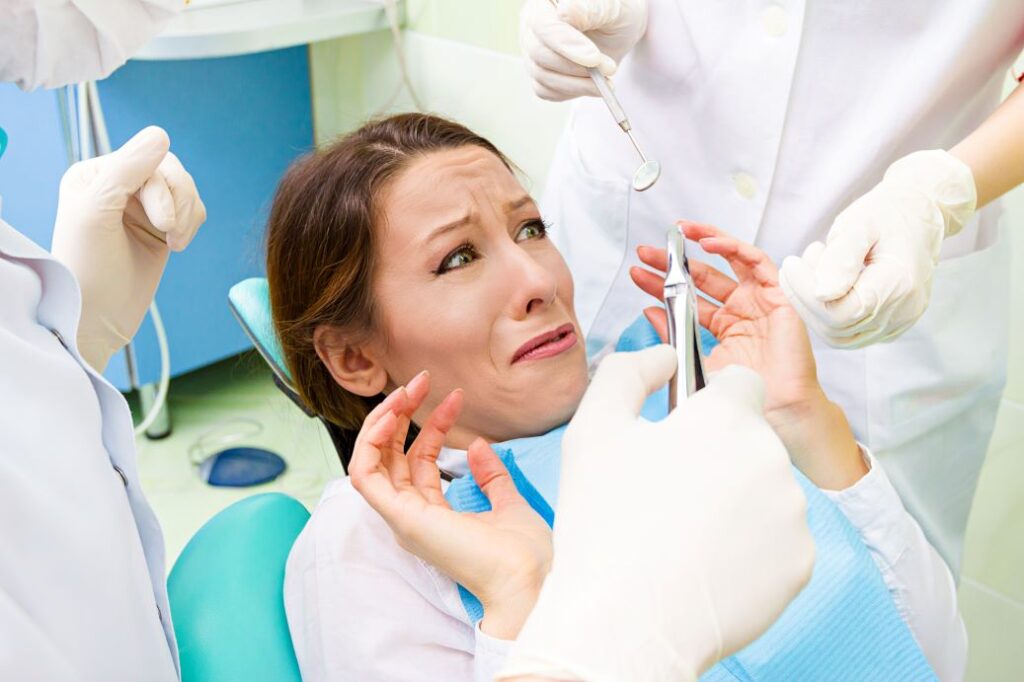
(918, 579)
(490, 655)
(360, 607)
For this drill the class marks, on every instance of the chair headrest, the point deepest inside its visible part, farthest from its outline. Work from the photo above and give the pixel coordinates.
(250, 304)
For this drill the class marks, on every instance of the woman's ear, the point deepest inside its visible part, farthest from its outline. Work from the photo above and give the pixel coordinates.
(353, 367)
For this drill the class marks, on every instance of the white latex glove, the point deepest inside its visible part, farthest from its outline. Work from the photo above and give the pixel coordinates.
(560, 44)
(676, 543)
(872, 279)
(118, 218)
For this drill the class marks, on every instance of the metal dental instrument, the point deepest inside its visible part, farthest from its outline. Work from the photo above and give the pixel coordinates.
(647, 174)
(683, 327)
(649, 171)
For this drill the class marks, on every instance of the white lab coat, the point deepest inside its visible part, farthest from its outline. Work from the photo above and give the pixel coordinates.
(360, 607)
(82, 588)
(768, 119)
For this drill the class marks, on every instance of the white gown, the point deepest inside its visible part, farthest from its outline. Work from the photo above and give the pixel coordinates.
(83, 595)
(768, 119)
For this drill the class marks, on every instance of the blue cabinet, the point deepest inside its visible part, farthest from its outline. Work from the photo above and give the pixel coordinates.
(236, 123)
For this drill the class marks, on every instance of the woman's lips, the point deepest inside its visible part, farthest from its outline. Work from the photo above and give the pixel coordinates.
(547, 345)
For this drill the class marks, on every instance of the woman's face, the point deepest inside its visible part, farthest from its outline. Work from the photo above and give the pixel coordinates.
(469, 287)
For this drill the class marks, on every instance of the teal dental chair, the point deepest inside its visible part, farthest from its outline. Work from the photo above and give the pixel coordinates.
(226, 588)
(249, 301)
(226, 594)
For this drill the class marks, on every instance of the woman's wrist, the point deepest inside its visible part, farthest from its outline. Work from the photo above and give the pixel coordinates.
(504, 615)
(820, 442)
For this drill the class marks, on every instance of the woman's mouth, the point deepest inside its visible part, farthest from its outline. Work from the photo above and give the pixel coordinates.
(547, 345)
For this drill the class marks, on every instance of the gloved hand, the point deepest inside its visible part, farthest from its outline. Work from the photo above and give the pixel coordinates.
(872, 278)
(118, 218)
(560, 44)
(676, 543)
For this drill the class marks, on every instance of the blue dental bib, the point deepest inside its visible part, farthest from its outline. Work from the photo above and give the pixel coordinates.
(842, 626)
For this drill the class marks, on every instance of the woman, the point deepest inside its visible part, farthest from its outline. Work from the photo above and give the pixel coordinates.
(409, 246)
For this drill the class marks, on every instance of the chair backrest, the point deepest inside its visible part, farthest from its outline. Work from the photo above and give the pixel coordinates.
(226, 594)
(249, 301)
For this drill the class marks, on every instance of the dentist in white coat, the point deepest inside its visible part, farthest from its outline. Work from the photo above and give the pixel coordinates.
(82, 572)
(82, 585)
(790, 123)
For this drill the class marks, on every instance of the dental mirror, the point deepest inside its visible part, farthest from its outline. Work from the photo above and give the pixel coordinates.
(648, 172)
(646, 175)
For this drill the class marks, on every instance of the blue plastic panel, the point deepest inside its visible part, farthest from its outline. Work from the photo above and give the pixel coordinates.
(235, 123)
(35, 160)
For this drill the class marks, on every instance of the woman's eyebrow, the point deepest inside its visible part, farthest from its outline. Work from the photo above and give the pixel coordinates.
(448, 227)
(516, 204)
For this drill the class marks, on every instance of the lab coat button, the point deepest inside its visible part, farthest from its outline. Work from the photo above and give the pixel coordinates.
(774, 21)
(744, 185)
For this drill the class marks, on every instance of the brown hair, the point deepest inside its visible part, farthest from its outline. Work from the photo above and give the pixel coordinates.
(321, 244)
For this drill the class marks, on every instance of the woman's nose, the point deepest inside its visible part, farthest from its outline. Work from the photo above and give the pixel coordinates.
(533, 286)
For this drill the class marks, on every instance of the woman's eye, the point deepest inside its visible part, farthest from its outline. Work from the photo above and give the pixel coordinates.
(464, 255)
(535, 229)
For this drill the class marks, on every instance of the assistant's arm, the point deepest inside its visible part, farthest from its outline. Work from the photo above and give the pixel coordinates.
(995, 150)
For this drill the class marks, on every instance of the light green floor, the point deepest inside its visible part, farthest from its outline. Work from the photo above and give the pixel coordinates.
(991, 591)
(214, 398)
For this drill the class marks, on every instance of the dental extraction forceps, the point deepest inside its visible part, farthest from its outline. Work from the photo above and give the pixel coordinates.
(683, 325)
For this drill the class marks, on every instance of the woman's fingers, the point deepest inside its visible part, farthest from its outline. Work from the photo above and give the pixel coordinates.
(659, 318)
(712, 281)
(423, 453)
(393, 403)
(649, 282)
(707, 278)
(415, 391)
(697, 231)
(393, 454)
(653, 257)
(367, 471)
(492, 476)
(745, 259)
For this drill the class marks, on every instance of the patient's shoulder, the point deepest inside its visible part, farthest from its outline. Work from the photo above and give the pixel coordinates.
(351, 594)
(348, 543)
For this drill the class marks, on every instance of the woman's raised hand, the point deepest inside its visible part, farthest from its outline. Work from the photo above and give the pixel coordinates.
(501, 556)
(757, 327)
(753, 321)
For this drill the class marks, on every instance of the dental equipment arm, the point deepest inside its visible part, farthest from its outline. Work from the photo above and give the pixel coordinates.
(651, 588)
(118, 218)
(871, 279)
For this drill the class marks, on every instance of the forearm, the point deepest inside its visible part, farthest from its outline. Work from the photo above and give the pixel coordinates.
(995, 150)
(917, 578)
(820, 442)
